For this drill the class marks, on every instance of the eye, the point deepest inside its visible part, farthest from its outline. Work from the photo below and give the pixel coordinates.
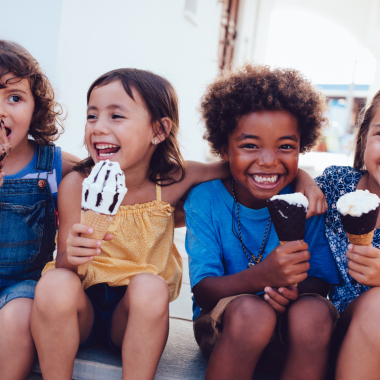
(287, 147)
(117, 116)
(91, 117)
(250, 146)
(14, 99)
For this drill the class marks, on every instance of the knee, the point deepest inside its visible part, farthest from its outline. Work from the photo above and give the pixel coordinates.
(249, 321)
(150, 294)
(15, 318)
(310, 322)
(366, 315)
(55, 292)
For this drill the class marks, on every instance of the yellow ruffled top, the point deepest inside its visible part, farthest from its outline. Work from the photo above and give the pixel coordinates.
(142, 243)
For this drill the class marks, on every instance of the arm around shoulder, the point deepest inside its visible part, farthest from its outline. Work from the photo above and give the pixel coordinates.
(68, 161)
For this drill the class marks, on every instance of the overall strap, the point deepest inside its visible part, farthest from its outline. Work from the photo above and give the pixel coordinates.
(45, 158)
(158, 190)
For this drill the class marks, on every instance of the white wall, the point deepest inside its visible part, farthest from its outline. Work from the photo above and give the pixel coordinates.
(98, 36)
(77, 41)
(35, 25)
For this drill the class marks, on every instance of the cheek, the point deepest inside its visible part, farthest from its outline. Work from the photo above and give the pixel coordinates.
(372, 153)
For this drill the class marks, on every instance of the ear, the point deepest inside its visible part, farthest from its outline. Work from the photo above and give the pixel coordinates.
(161, 131)
(225, 155)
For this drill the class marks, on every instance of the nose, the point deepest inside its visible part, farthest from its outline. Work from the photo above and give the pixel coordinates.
(268, 158)
(100, 127)
(3, 111)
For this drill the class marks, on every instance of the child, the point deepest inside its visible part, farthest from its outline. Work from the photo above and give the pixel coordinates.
(132, 118)
(357, 298)
(28, 196)
(259, 120)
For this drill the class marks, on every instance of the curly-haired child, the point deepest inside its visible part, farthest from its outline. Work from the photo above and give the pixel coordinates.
(28, 196)
(259, 120)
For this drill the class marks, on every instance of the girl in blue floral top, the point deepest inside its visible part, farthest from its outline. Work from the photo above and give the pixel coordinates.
(358, 297)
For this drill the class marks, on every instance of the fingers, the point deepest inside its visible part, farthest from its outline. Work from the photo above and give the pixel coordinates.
(276, 306)
(79, 228)
(276, 296)
(2, 174)
(79, 260)
(294, 246)
(356, 266)
(108, 237)
(364, 251)
(291, 293)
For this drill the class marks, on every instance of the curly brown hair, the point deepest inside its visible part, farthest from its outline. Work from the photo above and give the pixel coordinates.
(364, 120)
(16, 60)
(253, 88)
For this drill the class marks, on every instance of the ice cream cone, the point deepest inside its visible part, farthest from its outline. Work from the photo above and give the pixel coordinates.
(5, 146)
(365, 239)
(358, 213)
(100, 223)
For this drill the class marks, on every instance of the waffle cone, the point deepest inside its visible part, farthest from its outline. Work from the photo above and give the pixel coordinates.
(365, 239)
(100, 223)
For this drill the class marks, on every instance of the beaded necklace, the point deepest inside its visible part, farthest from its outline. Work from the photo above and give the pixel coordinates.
(251, 260)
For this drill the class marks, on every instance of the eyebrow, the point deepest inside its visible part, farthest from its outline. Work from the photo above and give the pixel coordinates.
(245, 136)
(7, 89)
(111, 106)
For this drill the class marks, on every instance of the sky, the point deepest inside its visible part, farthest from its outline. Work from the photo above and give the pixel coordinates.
(321, 49)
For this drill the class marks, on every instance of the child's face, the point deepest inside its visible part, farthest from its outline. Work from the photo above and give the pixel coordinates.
(263, 155)
(118, 128)
(16, 110)
(372, 149)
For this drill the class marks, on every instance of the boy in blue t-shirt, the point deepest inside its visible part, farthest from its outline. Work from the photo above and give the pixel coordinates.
(259, 120)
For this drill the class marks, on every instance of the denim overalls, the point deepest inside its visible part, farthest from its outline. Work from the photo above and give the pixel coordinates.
(27, 230)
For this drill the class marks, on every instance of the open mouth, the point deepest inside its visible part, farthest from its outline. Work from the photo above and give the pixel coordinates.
(266, 181)
(106, 150)
(8, 131)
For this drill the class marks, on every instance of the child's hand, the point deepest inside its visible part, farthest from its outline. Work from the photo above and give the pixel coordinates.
(2, 174)
(279, 299)
(364, 264)
(306, 185)
(80, 250)
(287, 264)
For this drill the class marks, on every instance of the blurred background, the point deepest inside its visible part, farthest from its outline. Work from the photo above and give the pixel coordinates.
(336, 43)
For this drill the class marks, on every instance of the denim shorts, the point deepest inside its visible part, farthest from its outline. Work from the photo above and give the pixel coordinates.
(104, 299)
(23, 289)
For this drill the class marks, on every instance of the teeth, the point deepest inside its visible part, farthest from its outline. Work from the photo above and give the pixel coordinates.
(105, 154)
(265, 179)
(105, 146)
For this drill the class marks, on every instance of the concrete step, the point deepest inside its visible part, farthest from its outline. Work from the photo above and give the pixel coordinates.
(181, 359)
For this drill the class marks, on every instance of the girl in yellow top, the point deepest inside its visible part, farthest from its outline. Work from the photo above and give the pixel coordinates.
(132, 118)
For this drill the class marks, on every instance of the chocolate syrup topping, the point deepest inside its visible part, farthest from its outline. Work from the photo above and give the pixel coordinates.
(115, 199)
(96, 177)
(99, 199)
(86, 195)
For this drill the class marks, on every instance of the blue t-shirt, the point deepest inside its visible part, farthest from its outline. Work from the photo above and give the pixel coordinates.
(214, 250)
(53, 178)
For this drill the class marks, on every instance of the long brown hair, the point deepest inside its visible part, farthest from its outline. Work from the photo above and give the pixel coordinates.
(16, 60)
(161, 101)
(364, 121)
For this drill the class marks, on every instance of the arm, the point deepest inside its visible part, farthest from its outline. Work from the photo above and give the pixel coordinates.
(68, 161)
(306, 185)
(73, 250)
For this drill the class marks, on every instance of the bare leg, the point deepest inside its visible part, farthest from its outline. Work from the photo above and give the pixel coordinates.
(359, 353)
(140, 326)
(62, 318)
(310, 326)
(17, 351)
(248, 326)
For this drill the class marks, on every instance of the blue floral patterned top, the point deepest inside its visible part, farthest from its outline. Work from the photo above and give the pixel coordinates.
(335, 182)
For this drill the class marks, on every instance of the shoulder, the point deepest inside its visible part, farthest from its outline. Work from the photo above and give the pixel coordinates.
(68, 161)
(202, 194)
(71, 184)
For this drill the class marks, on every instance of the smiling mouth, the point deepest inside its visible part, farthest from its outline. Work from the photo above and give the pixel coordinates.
(106, 150)
(266, 179)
